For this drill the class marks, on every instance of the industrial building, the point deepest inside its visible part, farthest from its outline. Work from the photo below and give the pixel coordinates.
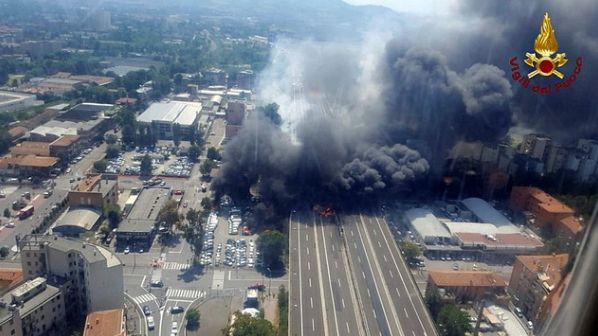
(168, 119)
(139, 227)
(493, 238)
(90, 276)
(12, 101)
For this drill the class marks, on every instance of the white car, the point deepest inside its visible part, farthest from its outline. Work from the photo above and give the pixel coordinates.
(10, 225)
(175, 328)
(127, 250)
(150, 323)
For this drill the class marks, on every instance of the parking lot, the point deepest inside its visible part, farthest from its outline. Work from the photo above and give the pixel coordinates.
(164, 162)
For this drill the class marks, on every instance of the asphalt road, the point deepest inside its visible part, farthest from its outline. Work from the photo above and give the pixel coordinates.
(351, 283)
(322, 297)
(386, 277)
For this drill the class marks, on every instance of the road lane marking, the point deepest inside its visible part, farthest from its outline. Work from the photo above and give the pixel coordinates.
(420, 300)
(348, 329)
(374, 263)
(313, 325)
(333, 248)
(369, 295)
(335, 264)
(307, 250)
(384, 256)
(339, 282)
(363, 274)
(405, 310)
(390, 272)
(306, 237)
(308, 266)
(300, 279)
(343, 302)
(311, 300)
(329, 278)
(355, 244)
(320, 276)
(309, 282)
(358, 259)
(379, 245)
(352, 233)
(397, 290)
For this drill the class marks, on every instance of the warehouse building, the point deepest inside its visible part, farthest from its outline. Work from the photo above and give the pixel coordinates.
(169, 118)
(12, 101)
(139, 228)
(427, 227)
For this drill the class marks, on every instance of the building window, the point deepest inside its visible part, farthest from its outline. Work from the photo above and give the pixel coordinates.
(29, 263)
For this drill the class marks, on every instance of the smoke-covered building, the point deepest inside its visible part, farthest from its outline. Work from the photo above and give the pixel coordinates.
(215, 76)
(235, 115)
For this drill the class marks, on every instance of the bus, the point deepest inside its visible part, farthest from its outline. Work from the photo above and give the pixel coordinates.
(26, 212)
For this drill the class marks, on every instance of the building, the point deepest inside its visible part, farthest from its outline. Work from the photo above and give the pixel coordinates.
(589, 162)
(463, 286)
(90, 276)
(27, 165)
(536, 146)
(547, 211)
(17, 132)
(533, 278)
(12, 101)
(77, 221)
(100, 20)
(139, 228)
(549, 307)
(235, 115)
(9, 278)
(106, 323)
(485, 213)
(30, 148)
(94, 192)
(427, 228)
(557, 158)
(215, 76)
(245, 79)
(31, 309)
(168, 119)
(66, 146)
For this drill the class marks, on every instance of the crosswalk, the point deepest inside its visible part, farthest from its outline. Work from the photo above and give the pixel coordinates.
(185, 293)
(144, 298)
(175, 266)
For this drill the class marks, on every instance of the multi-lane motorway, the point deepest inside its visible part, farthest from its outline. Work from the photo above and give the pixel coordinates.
(349, 278)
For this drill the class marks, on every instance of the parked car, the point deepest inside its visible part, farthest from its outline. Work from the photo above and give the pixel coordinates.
(127, 250)
(147, 311)
(10, 225)
(175, 328)
(150, 323)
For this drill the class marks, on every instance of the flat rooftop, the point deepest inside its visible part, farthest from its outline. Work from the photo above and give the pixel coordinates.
(105, 323)
(176, 112)
(92, 253)
(466, 279)
(149, 203)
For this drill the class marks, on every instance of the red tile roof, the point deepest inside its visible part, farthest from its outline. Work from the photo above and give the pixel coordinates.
(572, 224)
(65, 140)
(550, 265)
(105, 323)
(466, 278)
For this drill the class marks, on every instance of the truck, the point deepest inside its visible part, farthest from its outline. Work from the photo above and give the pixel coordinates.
(26, 212)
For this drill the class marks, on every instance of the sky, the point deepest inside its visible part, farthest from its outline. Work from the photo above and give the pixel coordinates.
(410, 6)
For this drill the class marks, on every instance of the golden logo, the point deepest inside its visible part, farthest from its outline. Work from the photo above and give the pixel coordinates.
(545, 45)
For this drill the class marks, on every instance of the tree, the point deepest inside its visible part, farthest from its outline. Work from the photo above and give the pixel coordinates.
(110, 139)
(411, 251)
(4, 251)
(193, 153)
(272, 244)
(112, 212)
(176, 135)
(129, 132)
(452, 321)
(100, 166)
(146, 165)
(207, 203)
(433, 301)
(245, 325)
(192, 317)
(7, 213)
(206, 167)
(270, 111)
(112, 151)
(192, 216)
(213, 154)
(169, 214)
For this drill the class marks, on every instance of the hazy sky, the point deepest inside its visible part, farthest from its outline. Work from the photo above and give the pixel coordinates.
(410, 6)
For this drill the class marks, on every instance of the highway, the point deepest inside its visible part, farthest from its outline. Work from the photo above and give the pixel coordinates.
(322, 299)
(351, 283)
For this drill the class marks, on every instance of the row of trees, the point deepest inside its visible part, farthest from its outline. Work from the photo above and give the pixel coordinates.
(194, 231)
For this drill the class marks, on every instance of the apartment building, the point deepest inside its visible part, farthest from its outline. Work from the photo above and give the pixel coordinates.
(533, 278)
(92, 277)
(31, 309)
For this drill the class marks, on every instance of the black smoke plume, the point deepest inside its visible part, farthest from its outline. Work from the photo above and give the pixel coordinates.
(378, 115)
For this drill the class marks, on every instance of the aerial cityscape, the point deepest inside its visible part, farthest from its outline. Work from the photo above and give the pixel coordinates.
(297, 168)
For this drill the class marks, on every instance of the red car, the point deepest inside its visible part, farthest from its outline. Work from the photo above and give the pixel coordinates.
(258, 286)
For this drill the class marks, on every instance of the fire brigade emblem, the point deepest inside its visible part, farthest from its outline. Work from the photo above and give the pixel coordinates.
(545, 45)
